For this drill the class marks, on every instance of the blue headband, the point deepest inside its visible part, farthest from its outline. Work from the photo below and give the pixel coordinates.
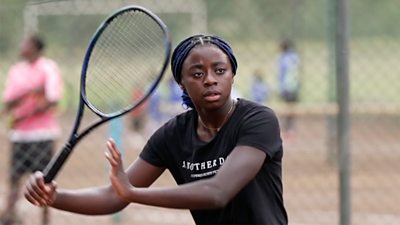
(182, 51)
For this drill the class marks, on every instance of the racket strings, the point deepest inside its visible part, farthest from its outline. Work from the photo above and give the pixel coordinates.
(125, 62)
(147, 35)
(124, 57)
(144, 38)
(121, 55)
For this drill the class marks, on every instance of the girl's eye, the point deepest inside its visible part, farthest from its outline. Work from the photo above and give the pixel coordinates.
(220, 70)
(197, 74)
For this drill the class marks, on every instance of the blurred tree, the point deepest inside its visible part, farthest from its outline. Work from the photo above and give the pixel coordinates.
(11, 23)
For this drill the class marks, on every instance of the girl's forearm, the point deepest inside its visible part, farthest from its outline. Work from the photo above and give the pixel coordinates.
(90, 201)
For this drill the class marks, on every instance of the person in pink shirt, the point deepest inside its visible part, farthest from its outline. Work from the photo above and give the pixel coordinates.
(33, 88)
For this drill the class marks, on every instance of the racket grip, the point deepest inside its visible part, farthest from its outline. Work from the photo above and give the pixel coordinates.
(56, 163)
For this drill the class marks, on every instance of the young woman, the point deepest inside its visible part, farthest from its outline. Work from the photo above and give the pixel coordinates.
(225, 154)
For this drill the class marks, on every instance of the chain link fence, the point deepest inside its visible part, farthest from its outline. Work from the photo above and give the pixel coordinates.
(255, 29)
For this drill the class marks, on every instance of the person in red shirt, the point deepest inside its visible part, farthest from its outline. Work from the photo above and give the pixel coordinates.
(33, 88)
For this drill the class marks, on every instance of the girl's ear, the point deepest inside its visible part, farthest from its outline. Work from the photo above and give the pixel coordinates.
(181, 86)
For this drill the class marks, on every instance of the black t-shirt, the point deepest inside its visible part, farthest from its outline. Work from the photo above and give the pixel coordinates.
(177, 147)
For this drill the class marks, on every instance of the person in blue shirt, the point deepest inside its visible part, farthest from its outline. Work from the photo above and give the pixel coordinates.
(259, 88)
(289, 82)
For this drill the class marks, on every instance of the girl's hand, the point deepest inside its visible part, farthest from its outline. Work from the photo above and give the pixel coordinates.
(118, 177)
(39, 193)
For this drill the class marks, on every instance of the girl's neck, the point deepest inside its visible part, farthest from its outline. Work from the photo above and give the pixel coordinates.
(215, 123)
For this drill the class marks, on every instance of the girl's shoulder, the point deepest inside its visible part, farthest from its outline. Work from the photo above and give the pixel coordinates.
(181, 121)
(245, 106)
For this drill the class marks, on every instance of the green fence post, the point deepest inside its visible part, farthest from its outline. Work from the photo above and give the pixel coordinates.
(343, 101)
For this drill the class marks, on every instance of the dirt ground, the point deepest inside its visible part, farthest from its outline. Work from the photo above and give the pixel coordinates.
(311, 175)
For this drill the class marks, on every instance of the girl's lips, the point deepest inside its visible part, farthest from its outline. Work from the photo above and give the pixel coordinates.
(212, 97)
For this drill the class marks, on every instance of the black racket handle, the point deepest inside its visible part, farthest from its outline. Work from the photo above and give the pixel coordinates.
(56, 163)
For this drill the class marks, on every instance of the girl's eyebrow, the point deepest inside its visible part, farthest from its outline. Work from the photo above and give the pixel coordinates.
(200, 65)
(219, 63)
(196, 66)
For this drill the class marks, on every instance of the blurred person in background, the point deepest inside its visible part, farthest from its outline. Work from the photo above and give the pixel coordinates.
(289, 83)
(224, 153)
(154, 110)
(173, 102)
(259, 88)
(139, 114)
(32, 91)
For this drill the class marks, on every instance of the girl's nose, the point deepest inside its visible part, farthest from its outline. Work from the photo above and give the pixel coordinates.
(209, 78)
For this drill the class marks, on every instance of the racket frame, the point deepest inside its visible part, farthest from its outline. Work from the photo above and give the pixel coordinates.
(57, 161)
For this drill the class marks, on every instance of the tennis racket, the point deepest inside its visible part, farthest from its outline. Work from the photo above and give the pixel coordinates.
(128, 52)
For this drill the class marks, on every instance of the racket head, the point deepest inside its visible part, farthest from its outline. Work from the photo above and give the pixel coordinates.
(125, 61)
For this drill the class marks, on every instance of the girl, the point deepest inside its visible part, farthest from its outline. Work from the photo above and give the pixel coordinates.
(225, 154)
